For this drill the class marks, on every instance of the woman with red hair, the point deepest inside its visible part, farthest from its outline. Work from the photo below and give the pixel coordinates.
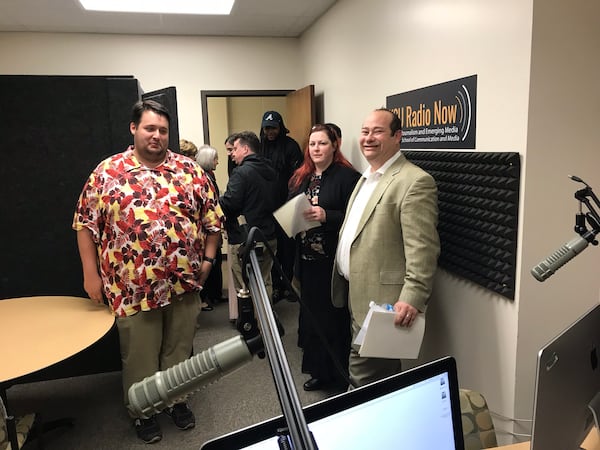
(327, 179)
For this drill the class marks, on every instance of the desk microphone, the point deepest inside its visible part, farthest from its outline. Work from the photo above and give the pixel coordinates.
(560, 257)
(165, 388)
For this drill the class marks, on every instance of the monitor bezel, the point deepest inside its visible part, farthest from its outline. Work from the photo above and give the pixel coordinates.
(561, 411)
(325, 408)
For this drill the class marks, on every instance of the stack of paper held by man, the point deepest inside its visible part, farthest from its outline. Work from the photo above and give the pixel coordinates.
(380, 338)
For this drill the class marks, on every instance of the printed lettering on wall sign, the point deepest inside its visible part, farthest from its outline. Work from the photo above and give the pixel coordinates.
(442, 116)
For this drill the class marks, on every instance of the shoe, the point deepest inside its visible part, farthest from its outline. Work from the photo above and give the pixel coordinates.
(148, 430)
(207, 308)
(182, 416)
(314, 384)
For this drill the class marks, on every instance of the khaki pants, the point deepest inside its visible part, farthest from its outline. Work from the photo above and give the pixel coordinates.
(366, 370)
(265, 262)
(158, 339)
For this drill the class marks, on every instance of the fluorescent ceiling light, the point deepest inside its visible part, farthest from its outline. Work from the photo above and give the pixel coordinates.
(207, 7)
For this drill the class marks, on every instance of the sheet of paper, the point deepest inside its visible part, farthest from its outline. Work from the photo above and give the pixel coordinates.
(360, 337)
(383, 339)
(290, 216)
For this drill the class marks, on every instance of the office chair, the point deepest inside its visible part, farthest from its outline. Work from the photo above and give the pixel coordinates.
(24, 425)
(478, 428)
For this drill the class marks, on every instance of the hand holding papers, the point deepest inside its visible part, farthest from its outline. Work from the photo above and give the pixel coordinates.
(290, 216)
(380, 338)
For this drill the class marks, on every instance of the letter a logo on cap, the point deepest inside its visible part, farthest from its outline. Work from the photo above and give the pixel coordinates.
(269, 117)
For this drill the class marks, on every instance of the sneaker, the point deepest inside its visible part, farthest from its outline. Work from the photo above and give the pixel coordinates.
(182, 416)
(148, 430)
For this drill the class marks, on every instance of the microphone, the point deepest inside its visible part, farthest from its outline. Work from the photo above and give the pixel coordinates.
(165, 388)
(560, 257)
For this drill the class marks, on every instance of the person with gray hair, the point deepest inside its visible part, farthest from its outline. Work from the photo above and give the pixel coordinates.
(207, 157)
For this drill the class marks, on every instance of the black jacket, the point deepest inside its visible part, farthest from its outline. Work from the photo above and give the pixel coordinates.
(250, 193)
(337, 184)
(285, 157)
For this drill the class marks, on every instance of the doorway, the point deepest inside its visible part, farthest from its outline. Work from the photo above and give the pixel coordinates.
(225, 112)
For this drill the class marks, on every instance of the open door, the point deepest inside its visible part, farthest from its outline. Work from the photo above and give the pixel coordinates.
(168, 98)
(300, 114)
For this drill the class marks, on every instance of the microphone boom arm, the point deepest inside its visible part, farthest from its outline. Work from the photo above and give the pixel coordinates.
(288, 397)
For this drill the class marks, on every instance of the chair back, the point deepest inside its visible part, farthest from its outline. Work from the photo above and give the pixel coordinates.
(478, 428)
(23, 425)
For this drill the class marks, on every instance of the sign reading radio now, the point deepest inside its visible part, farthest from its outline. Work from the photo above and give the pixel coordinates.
(442, 115)
(438, 116)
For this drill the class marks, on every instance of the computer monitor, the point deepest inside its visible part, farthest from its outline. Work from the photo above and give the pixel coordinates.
(567, 380)
(417, 409)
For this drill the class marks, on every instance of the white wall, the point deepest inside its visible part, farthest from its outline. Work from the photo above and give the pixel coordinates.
(563, 116)
(359, 53)
(365, 51)
(190, 63)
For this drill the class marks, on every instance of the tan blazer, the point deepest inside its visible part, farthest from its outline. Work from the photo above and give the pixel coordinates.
(394, 253)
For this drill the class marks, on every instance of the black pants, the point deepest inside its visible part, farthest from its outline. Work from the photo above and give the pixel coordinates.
(213, 286)
(286, 254)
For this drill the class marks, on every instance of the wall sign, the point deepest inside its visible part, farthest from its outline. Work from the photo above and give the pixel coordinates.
(438, 116)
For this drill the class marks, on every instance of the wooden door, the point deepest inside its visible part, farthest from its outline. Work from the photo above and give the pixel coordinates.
(300, 114)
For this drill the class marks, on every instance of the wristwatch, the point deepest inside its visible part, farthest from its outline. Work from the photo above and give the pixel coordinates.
(212, 261)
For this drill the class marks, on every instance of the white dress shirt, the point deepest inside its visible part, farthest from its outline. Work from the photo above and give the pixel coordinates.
(355, 213)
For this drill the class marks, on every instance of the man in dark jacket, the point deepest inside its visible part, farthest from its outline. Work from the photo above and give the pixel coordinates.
(249, 193)
(284, 154)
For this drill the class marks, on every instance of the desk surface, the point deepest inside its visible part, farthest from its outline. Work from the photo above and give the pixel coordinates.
(592, 442)
(36, 332)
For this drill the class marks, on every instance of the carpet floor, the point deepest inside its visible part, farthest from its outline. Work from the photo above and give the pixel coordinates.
(238, 400)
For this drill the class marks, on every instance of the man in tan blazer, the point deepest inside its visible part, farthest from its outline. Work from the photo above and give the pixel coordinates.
(389, 244)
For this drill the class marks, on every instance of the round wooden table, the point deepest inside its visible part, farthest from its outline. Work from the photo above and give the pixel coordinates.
(36, 332)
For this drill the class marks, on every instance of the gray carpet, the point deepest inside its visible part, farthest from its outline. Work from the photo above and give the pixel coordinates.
(238, 400)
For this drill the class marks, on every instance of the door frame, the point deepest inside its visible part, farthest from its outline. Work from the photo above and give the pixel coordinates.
(204, 95)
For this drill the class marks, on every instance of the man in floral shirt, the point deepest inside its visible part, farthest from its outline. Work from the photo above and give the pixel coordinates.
(148, 225)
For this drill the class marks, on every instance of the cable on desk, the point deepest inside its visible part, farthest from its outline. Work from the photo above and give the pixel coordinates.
(511, 433)
(511, 419)
(514, 420)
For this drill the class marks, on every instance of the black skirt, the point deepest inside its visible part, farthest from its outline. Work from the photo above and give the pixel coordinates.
(334, 323)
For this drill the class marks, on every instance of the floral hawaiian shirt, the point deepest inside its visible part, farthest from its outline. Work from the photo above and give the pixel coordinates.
(149, 226)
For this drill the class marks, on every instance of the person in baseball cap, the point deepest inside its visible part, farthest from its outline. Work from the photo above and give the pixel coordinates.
(272, 119)
(285, 156)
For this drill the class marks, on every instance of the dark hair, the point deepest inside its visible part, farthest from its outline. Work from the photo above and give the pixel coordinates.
(308, 166)
(337, 130)
(396, 123)
(250, 139)
(148, 105)
(231, 138)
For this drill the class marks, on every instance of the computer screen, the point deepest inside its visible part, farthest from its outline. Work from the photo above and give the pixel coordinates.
(567, 380)
(416, 409)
